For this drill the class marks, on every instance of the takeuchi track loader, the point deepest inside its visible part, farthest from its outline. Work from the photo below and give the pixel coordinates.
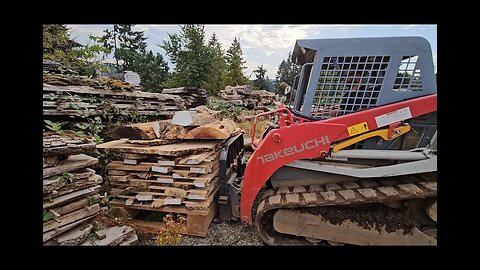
(352, 156)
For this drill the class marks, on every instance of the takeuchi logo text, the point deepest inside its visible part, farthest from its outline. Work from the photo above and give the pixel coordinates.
(288, 151)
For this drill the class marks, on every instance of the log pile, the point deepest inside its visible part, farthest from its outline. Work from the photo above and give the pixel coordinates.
(193, 96)
(244, 95)
(70, 189)
(166, 168)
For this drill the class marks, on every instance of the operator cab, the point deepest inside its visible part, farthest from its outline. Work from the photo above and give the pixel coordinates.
(341, 76)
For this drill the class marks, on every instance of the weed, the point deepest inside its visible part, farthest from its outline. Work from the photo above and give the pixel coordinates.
(171, 233)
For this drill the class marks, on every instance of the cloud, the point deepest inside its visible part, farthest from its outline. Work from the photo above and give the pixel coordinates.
(264, 44)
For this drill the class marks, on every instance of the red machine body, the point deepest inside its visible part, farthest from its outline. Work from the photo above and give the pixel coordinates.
(299, 138)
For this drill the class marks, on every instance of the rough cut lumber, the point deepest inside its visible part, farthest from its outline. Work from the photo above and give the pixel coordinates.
(82, 173)
(70, 196)
(55, 191)
(69, 149)
(174, 149)
(74, 236)
(119, 165)
(130, 240)
(142, 131)
(195, 158)
(216, 130)
(114, 236)
(73, 163)
(50, 234)
(87, 101)
(152, 142)
(61, 210)
(71, 217)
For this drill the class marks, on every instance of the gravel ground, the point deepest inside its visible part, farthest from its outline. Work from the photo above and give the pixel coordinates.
(227, 233)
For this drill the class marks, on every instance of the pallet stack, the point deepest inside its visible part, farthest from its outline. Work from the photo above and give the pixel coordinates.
(169, 173)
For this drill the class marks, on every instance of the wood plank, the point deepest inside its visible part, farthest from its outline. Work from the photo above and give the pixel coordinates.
(61, 210)
(217, 130)
(119, 165)
(161, 169)
(69, 149)
(50, 234)
(80, 174)
(114, 236)
(153, 142)
(73, 163)
(71, 196)
(175, 149)
(71, 187)
(71, 217)
(135, 156)
(195, 158)
(74, 236)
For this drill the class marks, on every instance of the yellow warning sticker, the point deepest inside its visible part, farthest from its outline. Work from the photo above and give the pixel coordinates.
(357, 129)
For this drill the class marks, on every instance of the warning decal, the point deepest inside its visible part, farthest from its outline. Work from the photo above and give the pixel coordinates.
(357, 129)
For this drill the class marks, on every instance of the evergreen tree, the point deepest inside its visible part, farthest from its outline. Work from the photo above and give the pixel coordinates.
(191, 57)
(153, 71)
(218, 67)
(126, 44)
(130, 54)
(58, 46)
(234, 75)
(260, 81)
(286, 72)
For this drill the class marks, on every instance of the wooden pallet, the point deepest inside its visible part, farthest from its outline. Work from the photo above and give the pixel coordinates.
(198, 222)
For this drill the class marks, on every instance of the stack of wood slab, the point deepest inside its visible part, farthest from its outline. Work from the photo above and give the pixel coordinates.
(170, 166)
(193, 96)
(69, 187)
(244, 95)
(78, 96)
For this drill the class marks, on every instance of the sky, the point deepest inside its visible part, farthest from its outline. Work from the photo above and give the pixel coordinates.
(267, 45)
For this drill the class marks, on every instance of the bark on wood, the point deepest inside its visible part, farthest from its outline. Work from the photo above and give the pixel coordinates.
(74, 236)
(216, 130)
(174, 149)
(71, 164)
(142, 131)
(69, 149)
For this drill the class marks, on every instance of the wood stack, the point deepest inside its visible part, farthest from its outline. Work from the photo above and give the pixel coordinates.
(78, 96)
(163, 170)
(69, 187)
(244, 96)
(70, 191)
(193, 96)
